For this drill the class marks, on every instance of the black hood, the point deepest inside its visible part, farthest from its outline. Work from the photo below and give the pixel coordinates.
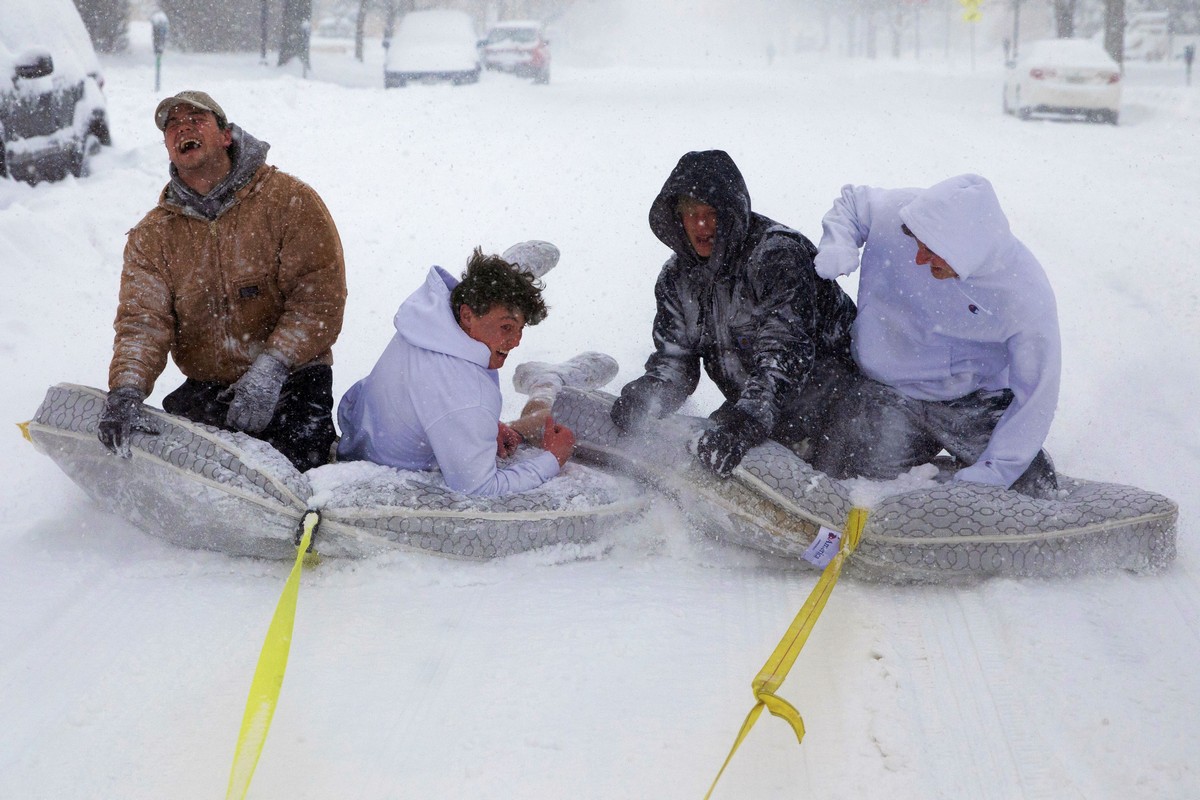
(711, 177)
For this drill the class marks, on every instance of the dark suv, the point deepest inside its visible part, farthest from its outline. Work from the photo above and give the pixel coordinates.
(53, 115)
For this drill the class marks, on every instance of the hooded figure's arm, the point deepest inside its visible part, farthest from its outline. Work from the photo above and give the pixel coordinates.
(1035, 361)
(673, 370)
(782, 284)
(844, 229)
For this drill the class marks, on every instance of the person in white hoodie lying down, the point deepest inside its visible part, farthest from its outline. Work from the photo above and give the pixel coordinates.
(956, 333)
(433, 399)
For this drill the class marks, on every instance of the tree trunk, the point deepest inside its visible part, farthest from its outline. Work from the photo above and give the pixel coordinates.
(1064, 18)
(297, 14)
(897, 20)
(1114, 29)
(107, 23)
(360, 24)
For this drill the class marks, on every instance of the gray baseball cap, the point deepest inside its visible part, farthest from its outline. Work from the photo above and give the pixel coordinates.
(200, 100)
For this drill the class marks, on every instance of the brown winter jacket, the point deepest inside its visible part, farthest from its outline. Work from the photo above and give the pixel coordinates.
(266, 275)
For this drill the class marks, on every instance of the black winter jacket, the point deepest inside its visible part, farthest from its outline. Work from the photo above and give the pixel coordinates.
(754, 312)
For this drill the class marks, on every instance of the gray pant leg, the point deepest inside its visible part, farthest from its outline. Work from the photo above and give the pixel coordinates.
(875, 433)
(964, 427)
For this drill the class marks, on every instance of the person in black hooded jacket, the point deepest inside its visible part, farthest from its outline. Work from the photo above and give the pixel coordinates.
(740, 295)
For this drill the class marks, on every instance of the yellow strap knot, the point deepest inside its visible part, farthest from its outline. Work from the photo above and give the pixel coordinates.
(771, 676)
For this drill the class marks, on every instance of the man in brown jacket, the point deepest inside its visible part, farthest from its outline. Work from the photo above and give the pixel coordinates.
(238, 275)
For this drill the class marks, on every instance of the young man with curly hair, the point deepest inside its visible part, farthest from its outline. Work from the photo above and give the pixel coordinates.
(433, 399)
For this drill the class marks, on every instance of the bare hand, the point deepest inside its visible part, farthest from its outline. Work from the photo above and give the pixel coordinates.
(559, 440)
(532, 421)
(507, 441)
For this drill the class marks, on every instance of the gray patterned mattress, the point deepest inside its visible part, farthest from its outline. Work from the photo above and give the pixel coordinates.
(946, 532)
(205, 488)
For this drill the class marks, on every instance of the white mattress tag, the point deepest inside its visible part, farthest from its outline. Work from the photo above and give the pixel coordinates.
(823, 548)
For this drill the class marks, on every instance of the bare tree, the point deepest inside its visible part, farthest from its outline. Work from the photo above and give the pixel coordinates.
(107, 23)
(1064, 18)
(360, 26)
(217, 25)
(297, 26)
(1114, 29)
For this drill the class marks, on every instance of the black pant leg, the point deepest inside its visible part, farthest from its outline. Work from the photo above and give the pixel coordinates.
(198, 401)
(302, 428)
(965, 426)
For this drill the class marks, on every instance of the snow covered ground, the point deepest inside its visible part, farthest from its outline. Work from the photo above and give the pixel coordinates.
(620, 670)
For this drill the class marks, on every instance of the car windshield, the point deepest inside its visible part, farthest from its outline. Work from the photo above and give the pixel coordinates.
(518, 35)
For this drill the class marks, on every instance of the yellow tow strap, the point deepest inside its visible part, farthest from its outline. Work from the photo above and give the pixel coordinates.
(268, 676)
(771, 676)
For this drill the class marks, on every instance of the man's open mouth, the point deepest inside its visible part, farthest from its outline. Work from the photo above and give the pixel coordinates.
(187, 145)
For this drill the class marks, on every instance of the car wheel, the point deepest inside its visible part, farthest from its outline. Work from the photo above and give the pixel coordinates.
(393, 81)
(1113, 116)
(80, 160)
(1023, 112)
(542, 76)
(100, 128)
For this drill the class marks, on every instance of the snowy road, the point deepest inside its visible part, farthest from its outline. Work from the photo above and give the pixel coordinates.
(620, 670)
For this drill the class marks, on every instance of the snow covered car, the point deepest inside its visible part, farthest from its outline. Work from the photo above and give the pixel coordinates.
(1064, 76)
(53, 115)
(431, 46)
(519, 47)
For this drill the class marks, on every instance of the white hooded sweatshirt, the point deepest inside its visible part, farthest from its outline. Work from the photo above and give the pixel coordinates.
(431, 402)
(994, 327)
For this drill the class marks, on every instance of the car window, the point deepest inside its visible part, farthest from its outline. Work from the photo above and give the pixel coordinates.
(519, 35)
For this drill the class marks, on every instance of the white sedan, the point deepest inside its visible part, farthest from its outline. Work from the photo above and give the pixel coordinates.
(1073, 77)
(431, 46)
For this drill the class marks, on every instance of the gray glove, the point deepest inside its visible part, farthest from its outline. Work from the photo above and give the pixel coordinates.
(252, 399)
(123, 412)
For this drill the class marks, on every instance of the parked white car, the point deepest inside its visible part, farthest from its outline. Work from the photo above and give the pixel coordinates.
(431, 46)
(53, 115)
(1073, 77)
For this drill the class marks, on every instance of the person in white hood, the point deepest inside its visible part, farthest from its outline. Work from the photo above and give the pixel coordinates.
(433, 399)
(956, 333)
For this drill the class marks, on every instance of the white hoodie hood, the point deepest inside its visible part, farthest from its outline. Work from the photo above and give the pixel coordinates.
(960, 219)
(426, 320)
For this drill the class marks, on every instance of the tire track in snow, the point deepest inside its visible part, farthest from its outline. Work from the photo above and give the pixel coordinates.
(427, 698)
(1185, 596)
(966, 713)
